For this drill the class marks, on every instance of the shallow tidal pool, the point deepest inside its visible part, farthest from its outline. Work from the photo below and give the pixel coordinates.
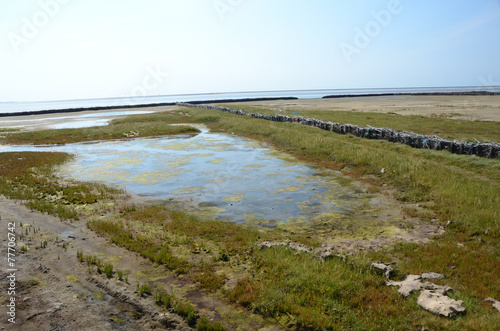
(215, 174)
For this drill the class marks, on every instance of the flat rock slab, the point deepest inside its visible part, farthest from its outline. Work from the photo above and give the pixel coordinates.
(292, 245)
(432, 275)
(496, 304)
(411, 284)
(440, 304)
(414, 283)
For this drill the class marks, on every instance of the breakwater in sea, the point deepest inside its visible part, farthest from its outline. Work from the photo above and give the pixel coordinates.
(146, 105)
(488, 150)
(463, 93)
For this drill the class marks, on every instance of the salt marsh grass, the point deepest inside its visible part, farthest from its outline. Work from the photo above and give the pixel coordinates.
(112, 131)
(28, 176)
(445, 128)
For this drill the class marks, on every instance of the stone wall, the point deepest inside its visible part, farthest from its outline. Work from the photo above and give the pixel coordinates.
(489, 150)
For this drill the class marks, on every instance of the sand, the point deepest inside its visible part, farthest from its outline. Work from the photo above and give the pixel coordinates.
(47, 121)
(471, 108)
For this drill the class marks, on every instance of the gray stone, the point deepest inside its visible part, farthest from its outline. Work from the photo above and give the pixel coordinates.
(292, 245)
(496, 304)
(410, 284)
(414, 283)
(440, 304)
(432, 275)
(386, 268)
(442, 289)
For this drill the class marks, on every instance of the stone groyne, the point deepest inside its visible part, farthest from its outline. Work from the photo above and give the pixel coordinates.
(146, 105)
(470, 93)
(488, 150)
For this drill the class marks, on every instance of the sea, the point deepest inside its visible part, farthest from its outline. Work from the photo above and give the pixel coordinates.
(22, 107)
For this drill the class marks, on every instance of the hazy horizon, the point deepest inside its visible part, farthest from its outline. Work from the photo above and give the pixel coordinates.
(491, 88)
(73, 49)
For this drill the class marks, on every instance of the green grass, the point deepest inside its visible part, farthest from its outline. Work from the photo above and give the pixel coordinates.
(445, 128)
(144, 289)
(155, 250)
(204, 324)
(28, 176)
(9, 130)
(112, 131)
(186, 310)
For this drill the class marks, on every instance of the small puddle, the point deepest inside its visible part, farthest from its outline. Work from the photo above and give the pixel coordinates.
(215, 174)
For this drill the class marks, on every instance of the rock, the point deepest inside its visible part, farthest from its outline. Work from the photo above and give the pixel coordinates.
(386, 268)
(440, 304)
(292, 245)
(55, 307)
(442, 289)
(298, 247)
(431, 275)
(414, 283)
(496, 304)
(410, 284)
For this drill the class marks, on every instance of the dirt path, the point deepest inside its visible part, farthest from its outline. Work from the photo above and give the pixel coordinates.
(55, 292)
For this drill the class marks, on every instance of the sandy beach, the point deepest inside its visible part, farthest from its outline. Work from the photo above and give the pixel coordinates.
(471, 108)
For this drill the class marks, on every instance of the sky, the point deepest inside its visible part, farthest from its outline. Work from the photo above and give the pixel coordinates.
(80, 49)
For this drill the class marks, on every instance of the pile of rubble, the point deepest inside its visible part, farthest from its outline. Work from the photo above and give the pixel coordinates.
(488, 150)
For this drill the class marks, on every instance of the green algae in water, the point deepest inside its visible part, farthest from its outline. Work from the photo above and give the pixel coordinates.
(234, 198)
(231, 176)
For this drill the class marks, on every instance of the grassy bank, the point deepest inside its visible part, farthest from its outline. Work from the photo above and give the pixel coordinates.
(28, 176)
(112, 131)
(443, 127)
(298, 289)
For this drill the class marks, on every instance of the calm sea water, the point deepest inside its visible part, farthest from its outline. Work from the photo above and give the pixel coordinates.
(18, 107)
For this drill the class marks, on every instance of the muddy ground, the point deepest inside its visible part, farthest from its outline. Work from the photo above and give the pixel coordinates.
(54, 291)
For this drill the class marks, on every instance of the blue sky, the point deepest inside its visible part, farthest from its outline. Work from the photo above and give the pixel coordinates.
(77, 49)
